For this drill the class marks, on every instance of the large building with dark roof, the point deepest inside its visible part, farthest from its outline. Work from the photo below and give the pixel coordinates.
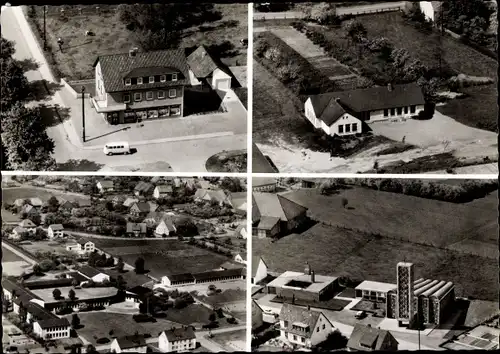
(211, 276)
(137, 86)
(344, 113)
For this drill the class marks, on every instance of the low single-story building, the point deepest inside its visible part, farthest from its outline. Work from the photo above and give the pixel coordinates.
(212, 276)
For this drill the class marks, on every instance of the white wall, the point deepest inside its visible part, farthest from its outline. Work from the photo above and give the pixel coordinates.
(318, 337)
(261, 272)
(427, 9)
(310, 115)
(344, 120)
(379, 115)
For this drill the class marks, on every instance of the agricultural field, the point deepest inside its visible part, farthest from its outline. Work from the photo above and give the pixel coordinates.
(163, 257)
(111, 36)
(9, 195)
(400, 216)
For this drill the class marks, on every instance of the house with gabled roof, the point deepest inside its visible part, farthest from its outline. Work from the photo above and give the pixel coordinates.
(144, 189)
(205, 68)
(177, 340)
(274, 213)
(55, 231)
(143, 208)
(162, 191)
(343, 113)
(259, 270)
(129, 201)
(166, 227)
(81, 246)
(302, 326)
(105, 185)
(136, 229)
(217, 196)
(93, 273)
(367, 339)
(129, 344)
(29, 210)
(137, 86)
(28, 225)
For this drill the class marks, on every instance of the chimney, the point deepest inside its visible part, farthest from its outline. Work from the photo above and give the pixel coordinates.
(307, 269)
(389, 87)
(312, 276)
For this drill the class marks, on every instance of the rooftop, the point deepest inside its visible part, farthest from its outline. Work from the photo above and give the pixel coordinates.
(129, 342)
(81, 294)
(270, 204)
(367, 338)
(320, 281)
(182, 333)
(376, 286)
(299, 316)
(54, 322)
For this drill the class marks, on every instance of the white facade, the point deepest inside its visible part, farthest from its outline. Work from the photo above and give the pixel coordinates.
(57, 332)
(257, 315)
(428, 10)
(163, 229)
(345, 125)
(166, 346)
(51, 233)
(88, 247)
(318, 334)
(165, 281)
(395, 113)
(220, 80)
(238, 258)
(115, 347)
(261, 272)
(243, 232)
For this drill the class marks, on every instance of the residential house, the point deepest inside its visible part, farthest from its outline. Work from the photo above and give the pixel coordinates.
(275, 213)
(105, 186)
(257, 316)
(210, 195)
(430, 9)
(139, 86)
(238, 202)
(67, 205)
(29, 210)
(166, 227)
(142, 208)
(137, 229)
(18, 203)
(259, 270)
(92, 273)
(264, 184)
(17, 233)
(28, 225)
(366, 338)
(137, 294)
(55, 231)
(129, 344)
(35, 202)
(155, 217)
(303, 327)
(343, 113)
(206, 69)
(143, 189)
(240, 259)
(241, 231)
(162, 191)
(190, 183)
(177, 340)
(52, 329)
(81, 247)
(130, 201)
(118, 199)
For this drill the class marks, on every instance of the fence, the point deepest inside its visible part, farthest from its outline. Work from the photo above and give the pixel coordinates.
(369, 9)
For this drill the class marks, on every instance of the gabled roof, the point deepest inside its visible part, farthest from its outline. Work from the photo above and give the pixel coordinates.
(27, 223)
(202, 64)
(89, 271)
(48, 283)
(188, 277)
(19, 202)
(83, 241)
(143, 207)
(230, 265)
(275, 205)
(164, 188)
(217, 195)
(144, 187)
(177, 334)
(213, 274)
(268, 222)
(54, 322)
(136, 227)
(106, 183)
(116, 67)
(330, 105)
(260, 164)
(39, 312)
(129, 342)
(168, 223)
(130, 201)
(36, 202)
(367, 338)
(297, 315)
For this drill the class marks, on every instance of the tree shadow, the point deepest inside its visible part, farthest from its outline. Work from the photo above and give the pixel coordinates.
(225, 49)
(42, 90)
(199, 101)
(79, 165)
(350, 208)
(28, 64)
(53, 115)
(224, 24)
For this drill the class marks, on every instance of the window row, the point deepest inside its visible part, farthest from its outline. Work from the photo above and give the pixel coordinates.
(150, 79)
(399, 111)
(150, 95)
(348, 128)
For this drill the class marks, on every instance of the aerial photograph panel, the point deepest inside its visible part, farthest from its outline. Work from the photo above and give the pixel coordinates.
(376, 87)
(375, 264)
(123, 264)
(122, 87)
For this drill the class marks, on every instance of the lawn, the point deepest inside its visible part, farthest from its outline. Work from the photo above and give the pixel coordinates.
(82, 293)
(11, 194)
(191, 314)
(111, 36)
(98, 324)
(398, 216)
(229, 295)
(163, 257)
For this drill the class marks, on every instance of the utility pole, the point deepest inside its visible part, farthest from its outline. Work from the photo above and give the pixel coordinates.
(44, 27)
(83, 113)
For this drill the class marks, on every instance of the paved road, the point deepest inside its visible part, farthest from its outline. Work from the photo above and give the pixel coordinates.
(160, 156)
(18, 253)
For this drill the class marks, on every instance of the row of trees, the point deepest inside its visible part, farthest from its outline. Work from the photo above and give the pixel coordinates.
(25, 143)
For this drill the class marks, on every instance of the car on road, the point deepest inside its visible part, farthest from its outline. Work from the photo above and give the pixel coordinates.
(360, 314)
(120, 147)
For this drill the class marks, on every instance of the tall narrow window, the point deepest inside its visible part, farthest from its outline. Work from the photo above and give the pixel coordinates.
(341, 129)
(163, 78)
(137, 96)
(172, 93)
(149, 95)
(128, 82)
(151, 79)
(139, 81)
(412, 109)
(174, 77)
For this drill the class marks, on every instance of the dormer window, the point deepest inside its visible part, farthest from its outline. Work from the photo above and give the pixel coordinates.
(128, 82)
(174, 77)
(163, 78)
(139, 81)
(151, 79)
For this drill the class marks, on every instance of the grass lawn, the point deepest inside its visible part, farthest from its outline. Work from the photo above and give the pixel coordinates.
(98, 324)
(111, 36)
(397, 216)
(230, 295)
(228, 161)
(8, 216)
(480, 311)
(191, 314)
(11, 194)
